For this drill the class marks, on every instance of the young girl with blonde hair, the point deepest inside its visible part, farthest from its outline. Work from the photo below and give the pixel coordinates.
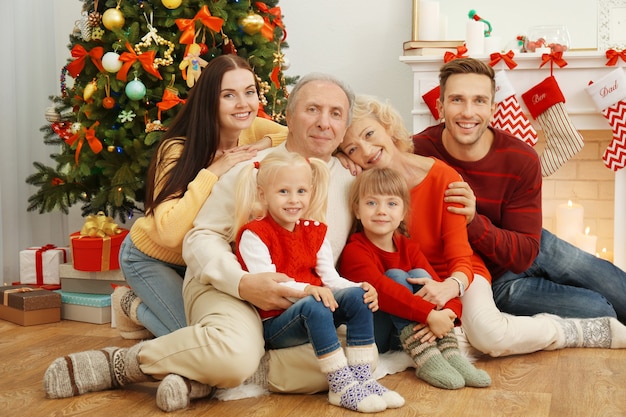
(279, 227)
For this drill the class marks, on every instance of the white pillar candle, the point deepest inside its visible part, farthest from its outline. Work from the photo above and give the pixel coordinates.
(587, 242)
(428, 28)
(569, 221)
(475, 38)
(443, 27)
(493, 44)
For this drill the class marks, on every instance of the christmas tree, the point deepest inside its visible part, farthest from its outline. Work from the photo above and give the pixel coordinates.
(133, 63)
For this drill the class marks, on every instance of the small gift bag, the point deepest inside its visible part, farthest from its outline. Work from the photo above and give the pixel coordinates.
(97, 246)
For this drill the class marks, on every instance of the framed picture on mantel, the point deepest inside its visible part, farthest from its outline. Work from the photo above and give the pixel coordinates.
(611, 24)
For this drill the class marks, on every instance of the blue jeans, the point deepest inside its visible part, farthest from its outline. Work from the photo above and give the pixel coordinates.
(387, 326)
(308, 320)
(565, 281)
(159, 285)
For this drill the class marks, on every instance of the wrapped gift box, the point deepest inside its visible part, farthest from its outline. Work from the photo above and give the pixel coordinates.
(28, 305)
(96, 253)
(40, 265)
(103, 282)
(90, 308)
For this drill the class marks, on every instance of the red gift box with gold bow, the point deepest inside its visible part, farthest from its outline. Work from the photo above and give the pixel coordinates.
(40, 265)
(96, 246)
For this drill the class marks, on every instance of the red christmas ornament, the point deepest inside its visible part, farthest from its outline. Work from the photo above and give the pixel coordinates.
(203, 48)
(63, 129)
(108, 103)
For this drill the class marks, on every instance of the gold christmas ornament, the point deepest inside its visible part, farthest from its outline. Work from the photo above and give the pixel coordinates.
(89, 90)
(251, 23)
(152, 36)
(113, 19)
(171, 4)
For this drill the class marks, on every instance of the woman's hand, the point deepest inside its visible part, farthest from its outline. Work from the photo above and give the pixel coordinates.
(461, 193)
(370, 297)
(224, 161)
(322, 294)
(348, 164)
(436, 292)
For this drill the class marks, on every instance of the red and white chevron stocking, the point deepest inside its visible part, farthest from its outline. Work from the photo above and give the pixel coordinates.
(545, 102)
(609, 95)
(509, 115)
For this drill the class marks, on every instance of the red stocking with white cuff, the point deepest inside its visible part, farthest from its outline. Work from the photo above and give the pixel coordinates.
(609, 95)
(509, 115)
(546, 103)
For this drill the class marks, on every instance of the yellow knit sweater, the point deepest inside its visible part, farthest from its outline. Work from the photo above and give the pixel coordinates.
(161, 234)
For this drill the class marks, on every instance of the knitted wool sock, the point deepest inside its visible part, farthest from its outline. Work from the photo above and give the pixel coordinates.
(344, 390)
(449, 348)
(590, 333)
(176, 392)
(124, 302)
(93, 370)
(430, 364)
(360, 360)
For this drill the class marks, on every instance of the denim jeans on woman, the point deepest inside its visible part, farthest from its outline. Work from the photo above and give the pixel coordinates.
(564, 281)
(158, 285)
(309, 320)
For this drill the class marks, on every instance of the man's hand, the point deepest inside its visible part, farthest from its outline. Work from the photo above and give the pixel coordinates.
(461, 193)
(438, 293)
(264, 291)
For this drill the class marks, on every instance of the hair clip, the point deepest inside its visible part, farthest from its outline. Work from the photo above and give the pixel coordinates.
(257, 164)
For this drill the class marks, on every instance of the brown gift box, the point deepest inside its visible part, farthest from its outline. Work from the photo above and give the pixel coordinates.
(28, 306)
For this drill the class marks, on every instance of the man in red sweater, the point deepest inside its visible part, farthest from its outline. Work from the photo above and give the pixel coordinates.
(532, 270)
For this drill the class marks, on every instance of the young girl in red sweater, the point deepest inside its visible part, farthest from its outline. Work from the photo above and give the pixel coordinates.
(381, 252)
(279, 228)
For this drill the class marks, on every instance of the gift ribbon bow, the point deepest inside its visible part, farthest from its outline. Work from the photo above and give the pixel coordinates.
(507, 58)
(188, 26)
(460, 53)
(146, 59)
(553, 58)
(168, 101)
(613, 56)
(80, 136)
(268, 26)
(80, 53)
(39, 260)
(99, 225)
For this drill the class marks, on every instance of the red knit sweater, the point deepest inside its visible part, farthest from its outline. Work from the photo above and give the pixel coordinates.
(293, 253)
(506, 231)
(363, 261)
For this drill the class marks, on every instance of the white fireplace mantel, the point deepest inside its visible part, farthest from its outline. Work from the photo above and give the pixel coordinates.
(581, 68)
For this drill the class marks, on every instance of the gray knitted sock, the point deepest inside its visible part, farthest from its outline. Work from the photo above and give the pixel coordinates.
(449, 348)
(125, 302)
(176, 392)
(93, 370)
(586, 333)
(430, 365)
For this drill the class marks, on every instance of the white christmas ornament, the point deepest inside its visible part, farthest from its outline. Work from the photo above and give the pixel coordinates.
(111, 62)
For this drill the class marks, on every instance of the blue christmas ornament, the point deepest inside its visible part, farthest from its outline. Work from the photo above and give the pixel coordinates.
(135, 90)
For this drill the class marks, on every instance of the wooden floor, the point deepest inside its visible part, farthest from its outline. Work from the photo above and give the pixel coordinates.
(567, 383)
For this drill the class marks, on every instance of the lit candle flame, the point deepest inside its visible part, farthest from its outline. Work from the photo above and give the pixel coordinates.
(569, 203)
(587, 231)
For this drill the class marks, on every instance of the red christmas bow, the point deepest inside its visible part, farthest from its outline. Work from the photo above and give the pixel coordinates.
(146, 59)
(614, 56)
(507, 58)
(80, 53)
(92, 140)
(460, 53)
(168, 101)
(188, 26)
(268, 27)
(553, 58)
